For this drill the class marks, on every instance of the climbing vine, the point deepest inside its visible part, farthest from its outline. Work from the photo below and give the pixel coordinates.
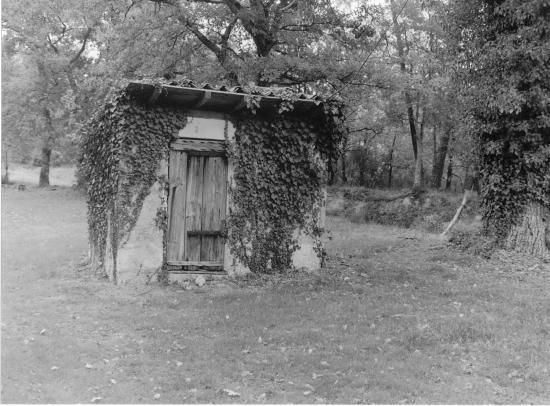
(279, 173)
(279, 170)
(121, 151)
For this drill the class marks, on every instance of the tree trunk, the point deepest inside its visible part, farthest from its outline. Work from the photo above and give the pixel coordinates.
(46, 153)
(331, 171)
(344, 176)
(439, 160)
(362, 167)
(390, 170)
(418, 170)
(449, 179)
(434, 149)
(468, 179)
(343, 158)
(402, 66)
(5, 174)
(531, 234)
(412, 125)
(45, 156)
(470, 176)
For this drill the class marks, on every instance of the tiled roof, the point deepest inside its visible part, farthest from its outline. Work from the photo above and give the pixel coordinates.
(254, 90)
(189, 95)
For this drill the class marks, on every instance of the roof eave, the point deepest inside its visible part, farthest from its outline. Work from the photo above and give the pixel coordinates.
(213, 100)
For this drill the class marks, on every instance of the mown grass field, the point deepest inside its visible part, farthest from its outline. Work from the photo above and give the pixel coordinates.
(395, 317)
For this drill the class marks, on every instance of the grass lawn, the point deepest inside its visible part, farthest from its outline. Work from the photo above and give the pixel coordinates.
(395, 317)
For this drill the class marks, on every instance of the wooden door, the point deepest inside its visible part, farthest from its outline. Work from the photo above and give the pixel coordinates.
(197, 202)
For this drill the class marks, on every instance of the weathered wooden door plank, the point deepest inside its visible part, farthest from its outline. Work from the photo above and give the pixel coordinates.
(194, 201)
(213, 209)
(220, 200)
(177, 174)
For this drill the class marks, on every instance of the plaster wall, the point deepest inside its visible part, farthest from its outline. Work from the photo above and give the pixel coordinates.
(141, 253)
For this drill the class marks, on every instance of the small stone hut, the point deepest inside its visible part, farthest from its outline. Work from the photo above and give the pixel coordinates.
(184, 179)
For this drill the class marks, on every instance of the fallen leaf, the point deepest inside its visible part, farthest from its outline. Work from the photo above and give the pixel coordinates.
(54, 368)
(88, 366)
(325, 364)
(315, 376)
(43, 331)
(179, 363)
(307, 392)
(157, 396)
(97, 399)
(231, 393)
(260, 340)
(113, 381)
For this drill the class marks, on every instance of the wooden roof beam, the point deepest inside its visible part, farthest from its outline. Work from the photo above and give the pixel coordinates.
(207, 95)
(155, 95)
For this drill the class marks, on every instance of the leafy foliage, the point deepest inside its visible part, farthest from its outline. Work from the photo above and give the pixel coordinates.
(47, 44)
(280, 168)
(122, 148)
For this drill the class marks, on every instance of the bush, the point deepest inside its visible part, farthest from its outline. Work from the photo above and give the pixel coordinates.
(431, 212)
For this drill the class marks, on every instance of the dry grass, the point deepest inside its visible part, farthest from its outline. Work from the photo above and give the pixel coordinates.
(395, 317)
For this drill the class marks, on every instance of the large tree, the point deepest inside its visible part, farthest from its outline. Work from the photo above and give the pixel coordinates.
(503, 55)
(47, 43)
(265, 42)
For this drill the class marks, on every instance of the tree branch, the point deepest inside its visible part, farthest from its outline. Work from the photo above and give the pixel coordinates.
(52, 45)
(83, 47)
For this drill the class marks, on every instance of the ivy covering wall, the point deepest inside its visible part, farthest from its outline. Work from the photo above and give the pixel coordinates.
(121, 152)
(279, 170)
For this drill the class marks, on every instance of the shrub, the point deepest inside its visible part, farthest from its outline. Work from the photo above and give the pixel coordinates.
(431, 212)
